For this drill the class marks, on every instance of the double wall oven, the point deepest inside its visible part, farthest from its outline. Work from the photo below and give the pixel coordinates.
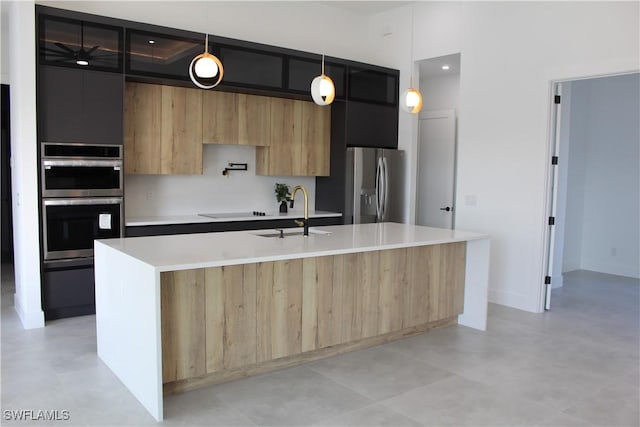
(82, 200)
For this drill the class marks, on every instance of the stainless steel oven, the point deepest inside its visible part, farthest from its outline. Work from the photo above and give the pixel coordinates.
(81, 170)
(70, 225)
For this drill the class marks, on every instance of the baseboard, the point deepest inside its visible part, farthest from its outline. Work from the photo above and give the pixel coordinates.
(29, 319)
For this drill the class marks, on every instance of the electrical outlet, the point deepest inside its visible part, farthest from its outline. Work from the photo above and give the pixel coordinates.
(149, 195)
(614, 251)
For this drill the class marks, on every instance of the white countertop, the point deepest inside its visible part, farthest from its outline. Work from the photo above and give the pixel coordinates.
(223, 217)
(188, 251)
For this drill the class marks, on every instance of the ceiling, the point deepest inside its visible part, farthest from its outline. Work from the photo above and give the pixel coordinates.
(365, 7)
(432, 67)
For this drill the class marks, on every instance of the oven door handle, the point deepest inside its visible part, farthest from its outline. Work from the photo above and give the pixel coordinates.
(116, 164)
(83, 201)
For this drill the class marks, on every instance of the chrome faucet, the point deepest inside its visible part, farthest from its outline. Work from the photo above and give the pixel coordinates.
(304, 223)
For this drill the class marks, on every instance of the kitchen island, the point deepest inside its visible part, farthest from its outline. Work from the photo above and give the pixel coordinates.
(179, 312)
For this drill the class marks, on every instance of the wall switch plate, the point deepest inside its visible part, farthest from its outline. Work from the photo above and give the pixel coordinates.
(471, 200)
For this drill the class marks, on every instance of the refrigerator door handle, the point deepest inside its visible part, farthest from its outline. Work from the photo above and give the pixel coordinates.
(379, 189)
(385, 188)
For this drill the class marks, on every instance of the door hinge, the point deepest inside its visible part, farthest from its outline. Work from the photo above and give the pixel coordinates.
(554, 160)
(556, 99)
(547, 280)
(552, 220)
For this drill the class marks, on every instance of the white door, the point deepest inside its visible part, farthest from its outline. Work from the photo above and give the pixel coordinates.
(436, 169)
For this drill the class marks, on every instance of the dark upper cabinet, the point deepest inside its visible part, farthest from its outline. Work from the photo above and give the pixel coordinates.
(80, 106)
(161, 55)
(371, 125)
(253, 68)
(368, 85)
(301, 73)
(79, 44)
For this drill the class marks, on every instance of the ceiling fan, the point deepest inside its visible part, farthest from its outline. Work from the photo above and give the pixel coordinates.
(65, 53)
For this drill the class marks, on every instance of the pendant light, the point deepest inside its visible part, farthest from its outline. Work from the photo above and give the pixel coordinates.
(411, 99)
(206, 70)
(322, 88)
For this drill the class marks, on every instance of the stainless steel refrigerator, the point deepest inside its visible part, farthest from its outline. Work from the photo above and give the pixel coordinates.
(374, 185)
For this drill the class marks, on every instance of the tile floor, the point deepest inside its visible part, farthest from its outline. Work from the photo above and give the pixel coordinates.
(577, 365)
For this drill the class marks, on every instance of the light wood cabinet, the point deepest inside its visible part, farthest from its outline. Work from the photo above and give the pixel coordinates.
(163, 130)
(254, 113)
(235, 118)
(228, 322)
(166, 127)
(299, 140)
(219, 117)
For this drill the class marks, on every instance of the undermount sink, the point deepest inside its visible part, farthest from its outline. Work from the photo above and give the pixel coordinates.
(286, 232)
(227, 215)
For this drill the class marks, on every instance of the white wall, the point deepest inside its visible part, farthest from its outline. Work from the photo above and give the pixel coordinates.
(211, 192)
(576, 168)
(510, 53)
(4, 42)
(607, 149)
(23, 162)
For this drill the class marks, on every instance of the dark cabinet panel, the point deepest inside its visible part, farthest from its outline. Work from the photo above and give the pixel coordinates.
(251, 68)
(374, 86)
(371, 125)
(303, 71)
(209, 227)
(79, 44)
(161, 55)
(80, 106)
(68, 292)
(103, 107)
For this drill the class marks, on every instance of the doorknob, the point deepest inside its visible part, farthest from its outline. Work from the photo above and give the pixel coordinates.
(446, 209)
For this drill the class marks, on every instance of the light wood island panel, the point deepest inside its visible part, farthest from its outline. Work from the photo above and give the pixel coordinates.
(228, 322)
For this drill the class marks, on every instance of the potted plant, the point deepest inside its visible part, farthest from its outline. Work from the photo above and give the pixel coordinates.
(282, 195)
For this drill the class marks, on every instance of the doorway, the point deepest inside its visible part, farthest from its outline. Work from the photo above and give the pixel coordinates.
(597, 179)
(437, 141)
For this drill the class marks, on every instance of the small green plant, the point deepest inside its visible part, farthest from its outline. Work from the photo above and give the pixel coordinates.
(282, 192)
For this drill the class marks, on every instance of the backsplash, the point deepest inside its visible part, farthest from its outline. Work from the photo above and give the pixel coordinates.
(159, 195)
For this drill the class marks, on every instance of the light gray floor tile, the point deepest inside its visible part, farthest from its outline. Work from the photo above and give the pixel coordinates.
(297, 396)
(378, 372)
(374, 415)
(456, 401)
(201, 408)
(614, 405)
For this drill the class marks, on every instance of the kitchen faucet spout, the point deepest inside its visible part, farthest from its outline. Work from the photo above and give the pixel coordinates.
(304, 223)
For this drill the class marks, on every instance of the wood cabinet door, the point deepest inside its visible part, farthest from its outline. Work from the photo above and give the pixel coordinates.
(142, 118)
(181, 133)
(219, 117)
(315, 143)
(254, 117)
(279, 157)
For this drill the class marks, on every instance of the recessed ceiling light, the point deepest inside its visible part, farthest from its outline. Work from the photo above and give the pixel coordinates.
(445, 67)
(152, 41)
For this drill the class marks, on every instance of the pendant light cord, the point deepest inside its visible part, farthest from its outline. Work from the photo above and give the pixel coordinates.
(411, 59)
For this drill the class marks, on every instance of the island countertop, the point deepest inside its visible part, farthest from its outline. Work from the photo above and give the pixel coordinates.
(182, 252)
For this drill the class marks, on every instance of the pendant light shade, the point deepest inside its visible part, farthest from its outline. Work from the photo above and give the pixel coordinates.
(323, 91)
(411, 101)
(206, 70)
